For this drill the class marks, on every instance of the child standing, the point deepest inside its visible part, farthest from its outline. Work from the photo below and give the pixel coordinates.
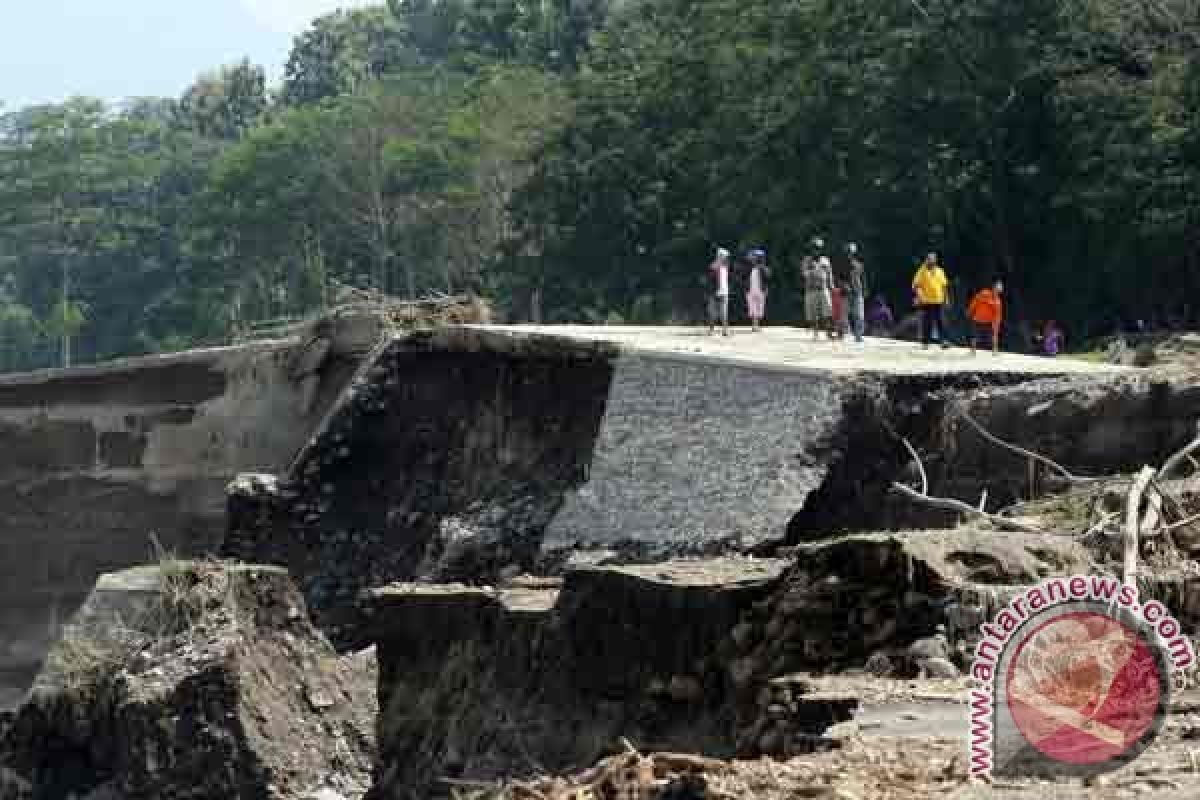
(838, 300)
(1053, 339)
(879, 317)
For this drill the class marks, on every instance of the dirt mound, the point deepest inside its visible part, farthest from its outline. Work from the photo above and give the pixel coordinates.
(193, 681)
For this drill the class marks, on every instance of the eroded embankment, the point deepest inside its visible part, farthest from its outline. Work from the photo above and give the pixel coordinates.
(485, 684)
(193, 681)
(438, 461)
(102, 462)
(717, 657)
(1093, 426)
(474, 456)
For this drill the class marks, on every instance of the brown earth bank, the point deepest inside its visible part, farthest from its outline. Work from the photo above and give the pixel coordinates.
(193, 681)
(559, 565)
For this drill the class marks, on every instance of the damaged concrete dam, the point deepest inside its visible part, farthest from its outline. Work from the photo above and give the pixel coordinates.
(465, 559)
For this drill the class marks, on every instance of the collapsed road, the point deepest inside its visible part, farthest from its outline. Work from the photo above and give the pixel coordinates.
(550, 540)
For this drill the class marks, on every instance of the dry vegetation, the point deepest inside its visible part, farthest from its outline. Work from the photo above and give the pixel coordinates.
(88, 657)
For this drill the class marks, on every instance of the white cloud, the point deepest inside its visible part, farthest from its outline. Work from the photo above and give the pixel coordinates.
(293, 16)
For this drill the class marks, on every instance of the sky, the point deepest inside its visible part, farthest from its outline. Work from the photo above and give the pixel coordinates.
(112, 49)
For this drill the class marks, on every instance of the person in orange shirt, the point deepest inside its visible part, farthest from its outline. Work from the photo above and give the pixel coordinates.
(986, 311)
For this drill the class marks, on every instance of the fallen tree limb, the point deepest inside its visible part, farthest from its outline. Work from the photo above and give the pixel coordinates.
(1132, 526)
(958, 506)
(912, 451)
(1151, 520)
(1175, 461)
(996, 440)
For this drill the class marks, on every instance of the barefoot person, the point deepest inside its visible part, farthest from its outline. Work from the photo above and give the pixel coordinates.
(930, 290)
(986, 312)
(718, 300)
(756, 288)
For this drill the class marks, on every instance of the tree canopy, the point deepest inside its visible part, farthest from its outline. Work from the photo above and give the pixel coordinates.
(580, 159)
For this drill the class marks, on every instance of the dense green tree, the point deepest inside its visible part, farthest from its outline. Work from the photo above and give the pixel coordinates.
(1036, 140)
(343, 51)
(579, 159)
(225, 104)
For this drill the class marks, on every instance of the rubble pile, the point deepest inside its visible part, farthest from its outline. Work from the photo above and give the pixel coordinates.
(867, 599)
(194, 681)
(862, 770)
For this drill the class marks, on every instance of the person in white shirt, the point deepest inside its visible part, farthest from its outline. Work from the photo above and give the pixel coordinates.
(718, 302)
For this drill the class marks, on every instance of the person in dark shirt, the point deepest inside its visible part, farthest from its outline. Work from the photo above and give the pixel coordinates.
(856, 292)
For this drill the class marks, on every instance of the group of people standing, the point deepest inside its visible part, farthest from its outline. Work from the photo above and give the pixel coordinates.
(825, 299)
(835, 304)
(754, 266)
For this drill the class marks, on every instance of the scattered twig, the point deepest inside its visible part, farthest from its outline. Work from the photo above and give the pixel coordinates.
(686, 762)
(1132, 513)
(1183, 523)
(950, 504)
(530, 792)
(1106, 518)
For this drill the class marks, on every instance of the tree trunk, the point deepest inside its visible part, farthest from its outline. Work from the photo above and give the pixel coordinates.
(66, 310)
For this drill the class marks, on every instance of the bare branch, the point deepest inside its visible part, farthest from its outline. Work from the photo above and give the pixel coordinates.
(1183, 523)
(1150, 521)
(1106, 518)
(958, 506)
(996, 440)
(1132, 508)
(1174, 462)
(912, 451)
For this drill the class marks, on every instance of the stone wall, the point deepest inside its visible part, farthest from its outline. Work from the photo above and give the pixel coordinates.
(102, 462)
(694, 455)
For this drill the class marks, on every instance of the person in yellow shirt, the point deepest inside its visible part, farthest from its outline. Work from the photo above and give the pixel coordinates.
(930, 290)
